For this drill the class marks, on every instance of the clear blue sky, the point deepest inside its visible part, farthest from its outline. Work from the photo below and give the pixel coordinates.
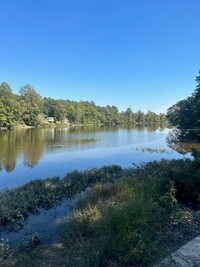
(139, 53)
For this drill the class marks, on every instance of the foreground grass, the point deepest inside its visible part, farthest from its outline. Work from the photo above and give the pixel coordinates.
(131, 217)
(124, 226)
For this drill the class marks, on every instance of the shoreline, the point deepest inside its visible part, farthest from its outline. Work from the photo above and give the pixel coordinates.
(58, 124)
(112, 184)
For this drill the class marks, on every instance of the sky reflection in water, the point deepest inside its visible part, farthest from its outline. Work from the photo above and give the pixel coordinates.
(40, 153)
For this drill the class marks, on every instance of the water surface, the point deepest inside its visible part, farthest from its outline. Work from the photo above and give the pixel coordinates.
(28, 154)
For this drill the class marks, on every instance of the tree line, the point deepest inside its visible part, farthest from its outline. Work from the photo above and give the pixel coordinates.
(185, 115)
(29, 108)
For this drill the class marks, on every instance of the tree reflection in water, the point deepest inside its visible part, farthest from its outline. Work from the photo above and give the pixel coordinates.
(179, 140)
(15, 143)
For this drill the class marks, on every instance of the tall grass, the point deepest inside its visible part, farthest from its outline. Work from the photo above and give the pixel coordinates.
(123, 223)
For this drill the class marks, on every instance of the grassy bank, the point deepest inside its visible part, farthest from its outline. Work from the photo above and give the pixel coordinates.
(131, 217)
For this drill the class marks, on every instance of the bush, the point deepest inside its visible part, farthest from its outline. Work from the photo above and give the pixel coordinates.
(184, 174)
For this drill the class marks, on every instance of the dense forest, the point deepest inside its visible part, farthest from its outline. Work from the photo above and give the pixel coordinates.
(30, 109)
(185, 115)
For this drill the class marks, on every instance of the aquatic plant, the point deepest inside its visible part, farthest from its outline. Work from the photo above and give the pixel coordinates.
(16, 204)
(152, 150)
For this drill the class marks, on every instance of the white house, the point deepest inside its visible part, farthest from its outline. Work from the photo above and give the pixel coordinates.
(50, 119)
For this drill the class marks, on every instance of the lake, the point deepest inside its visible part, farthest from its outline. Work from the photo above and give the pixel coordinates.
(27, 154)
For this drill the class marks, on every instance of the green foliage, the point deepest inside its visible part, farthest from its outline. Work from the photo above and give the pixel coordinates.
(31, 104)
(185, 114)
(9, 107)
(184, 174)
(30, 107)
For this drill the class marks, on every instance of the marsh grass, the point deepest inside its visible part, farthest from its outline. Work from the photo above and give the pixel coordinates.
(130, 217)
(17, 204)
(123, 221)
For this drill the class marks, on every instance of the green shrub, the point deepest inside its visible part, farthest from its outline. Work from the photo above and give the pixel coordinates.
(184, 174)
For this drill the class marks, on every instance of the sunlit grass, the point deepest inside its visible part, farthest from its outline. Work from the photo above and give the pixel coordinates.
(121, 222)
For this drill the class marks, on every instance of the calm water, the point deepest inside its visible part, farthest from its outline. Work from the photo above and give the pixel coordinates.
(39, 153)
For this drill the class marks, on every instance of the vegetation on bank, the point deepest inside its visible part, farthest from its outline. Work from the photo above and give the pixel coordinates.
(17, 204)
(130, 217)
(185, 115)
(30, 109)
